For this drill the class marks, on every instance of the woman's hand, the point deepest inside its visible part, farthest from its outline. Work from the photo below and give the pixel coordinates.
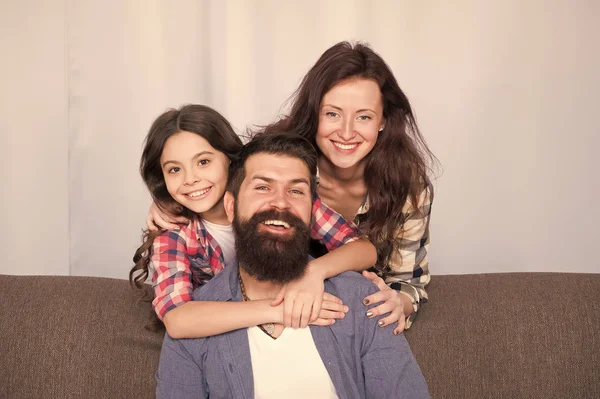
(304, 302)
(157, 219)
(391, 301)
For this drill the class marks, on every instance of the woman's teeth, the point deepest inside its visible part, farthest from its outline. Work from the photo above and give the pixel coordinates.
(279, 223)
(345, 146)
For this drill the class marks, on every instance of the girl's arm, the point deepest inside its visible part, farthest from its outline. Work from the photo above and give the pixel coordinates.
(184, 318)
(198, 319)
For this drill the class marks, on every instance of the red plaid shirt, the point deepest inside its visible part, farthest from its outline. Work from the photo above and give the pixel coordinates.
(186, 258)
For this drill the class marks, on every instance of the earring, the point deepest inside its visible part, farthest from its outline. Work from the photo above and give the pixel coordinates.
(381, 129)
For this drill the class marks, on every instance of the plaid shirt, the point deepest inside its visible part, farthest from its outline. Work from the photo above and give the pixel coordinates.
(188, 257)
(409, 263)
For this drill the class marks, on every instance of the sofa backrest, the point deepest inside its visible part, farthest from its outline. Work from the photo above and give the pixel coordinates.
(529, 335)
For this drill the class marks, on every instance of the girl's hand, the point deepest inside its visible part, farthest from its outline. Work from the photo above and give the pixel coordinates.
(158, 219)
(302, 299)
(394, 303)
(332, 308)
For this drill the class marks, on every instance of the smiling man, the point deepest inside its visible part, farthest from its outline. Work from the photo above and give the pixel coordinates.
(269, 200)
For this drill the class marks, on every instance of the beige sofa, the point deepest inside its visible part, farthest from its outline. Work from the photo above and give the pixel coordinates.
(530, 335)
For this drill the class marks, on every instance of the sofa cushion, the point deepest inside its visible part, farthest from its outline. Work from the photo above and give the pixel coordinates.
(75, 337)
(517, 335)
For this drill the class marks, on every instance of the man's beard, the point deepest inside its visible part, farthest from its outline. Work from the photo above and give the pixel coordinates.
(271, 257)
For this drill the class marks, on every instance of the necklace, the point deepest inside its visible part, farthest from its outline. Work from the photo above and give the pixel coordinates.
(267, 328)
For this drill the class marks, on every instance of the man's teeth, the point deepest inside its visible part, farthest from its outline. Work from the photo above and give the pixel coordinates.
(198, 193)
(345, 146)
(280, 223)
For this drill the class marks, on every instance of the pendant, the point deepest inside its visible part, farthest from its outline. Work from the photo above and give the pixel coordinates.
(269, 328)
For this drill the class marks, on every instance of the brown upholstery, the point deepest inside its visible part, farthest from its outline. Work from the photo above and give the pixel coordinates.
(480, 336)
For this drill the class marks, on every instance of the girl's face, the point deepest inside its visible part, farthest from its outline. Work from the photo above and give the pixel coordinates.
(350, 117)
(195, 173)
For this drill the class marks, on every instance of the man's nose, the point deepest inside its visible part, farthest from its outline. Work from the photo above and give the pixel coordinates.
(280, 200)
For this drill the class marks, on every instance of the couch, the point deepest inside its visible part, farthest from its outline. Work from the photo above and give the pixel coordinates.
(513, 335)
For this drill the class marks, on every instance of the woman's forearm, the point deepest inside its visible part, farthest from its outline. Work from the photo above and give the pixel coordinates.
(199, 319)
(357, 255)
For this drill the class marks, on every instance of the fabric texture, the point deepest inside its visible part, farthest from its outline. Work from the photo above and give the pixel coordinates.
(188, 257)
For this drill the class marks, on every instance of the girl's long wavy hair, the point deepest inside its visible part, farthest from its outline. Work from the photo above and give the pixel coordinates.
(397, 168)
(201, 120)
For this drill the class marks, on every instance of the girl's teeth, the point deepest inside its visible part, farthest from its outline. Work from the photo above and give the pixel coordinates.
(198, 193)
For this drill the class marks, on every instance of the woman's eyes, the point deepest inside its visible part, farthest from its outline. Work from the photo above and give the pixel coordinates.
(335, 115)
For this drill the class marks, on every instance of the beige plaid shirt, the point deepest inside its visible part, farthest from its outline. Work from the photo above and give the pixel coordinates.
(409, 263)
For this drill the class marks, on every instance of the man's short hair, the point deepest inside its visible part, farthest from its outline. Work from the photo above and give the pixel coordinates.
(286, 144)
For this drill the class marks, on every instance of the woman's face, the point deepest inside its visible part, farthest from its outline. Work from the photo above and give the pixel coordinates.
(350, 117)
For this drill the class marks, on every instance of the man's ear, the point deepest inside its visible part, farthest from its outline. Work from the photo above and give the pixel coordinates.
(228, 203)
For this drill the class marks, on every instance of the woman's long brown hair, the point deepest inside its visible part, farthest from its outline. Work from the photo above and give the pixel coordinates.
(201, 120)
(397, 168)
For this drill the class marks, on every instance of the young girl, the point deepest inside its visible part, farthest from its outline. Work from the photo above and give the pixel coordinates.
(185, 165)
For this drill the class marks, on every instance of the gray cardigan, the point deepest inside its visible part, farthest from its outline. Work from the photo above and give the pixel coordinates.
(362, 359)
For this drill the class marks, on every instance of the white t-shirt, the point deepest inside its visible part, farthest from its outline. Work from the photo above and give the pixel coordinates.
(224, 236)
(289, 366)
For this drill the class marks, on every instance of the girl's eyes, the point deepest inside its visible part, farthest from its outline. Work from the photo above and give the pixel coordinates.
(174, 170)
(204, 162)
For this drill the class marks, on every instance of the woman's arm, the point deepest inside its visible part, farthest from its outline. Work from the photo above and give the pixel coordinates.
(409, 266)
(302, 299)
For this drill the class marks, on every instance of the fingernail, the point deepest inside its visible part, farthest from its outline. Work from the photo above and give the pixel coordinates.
(369, 314)
(395, 332)
(332, 321)
(346, 309)
(381, 323)
(366, 302)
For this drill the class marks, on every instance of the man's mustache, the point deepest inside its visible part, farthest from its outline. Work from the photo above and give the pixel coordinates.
(272, 214)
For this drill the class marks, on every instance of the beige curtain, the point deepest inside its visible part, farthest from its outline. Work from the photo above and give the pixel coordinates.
(505, 93)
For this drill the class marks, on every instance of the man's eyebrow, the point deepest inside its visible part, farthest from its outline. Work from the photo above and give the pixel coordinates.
(271, 180)
(265, 178)
(300, 181)
(194, 157)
